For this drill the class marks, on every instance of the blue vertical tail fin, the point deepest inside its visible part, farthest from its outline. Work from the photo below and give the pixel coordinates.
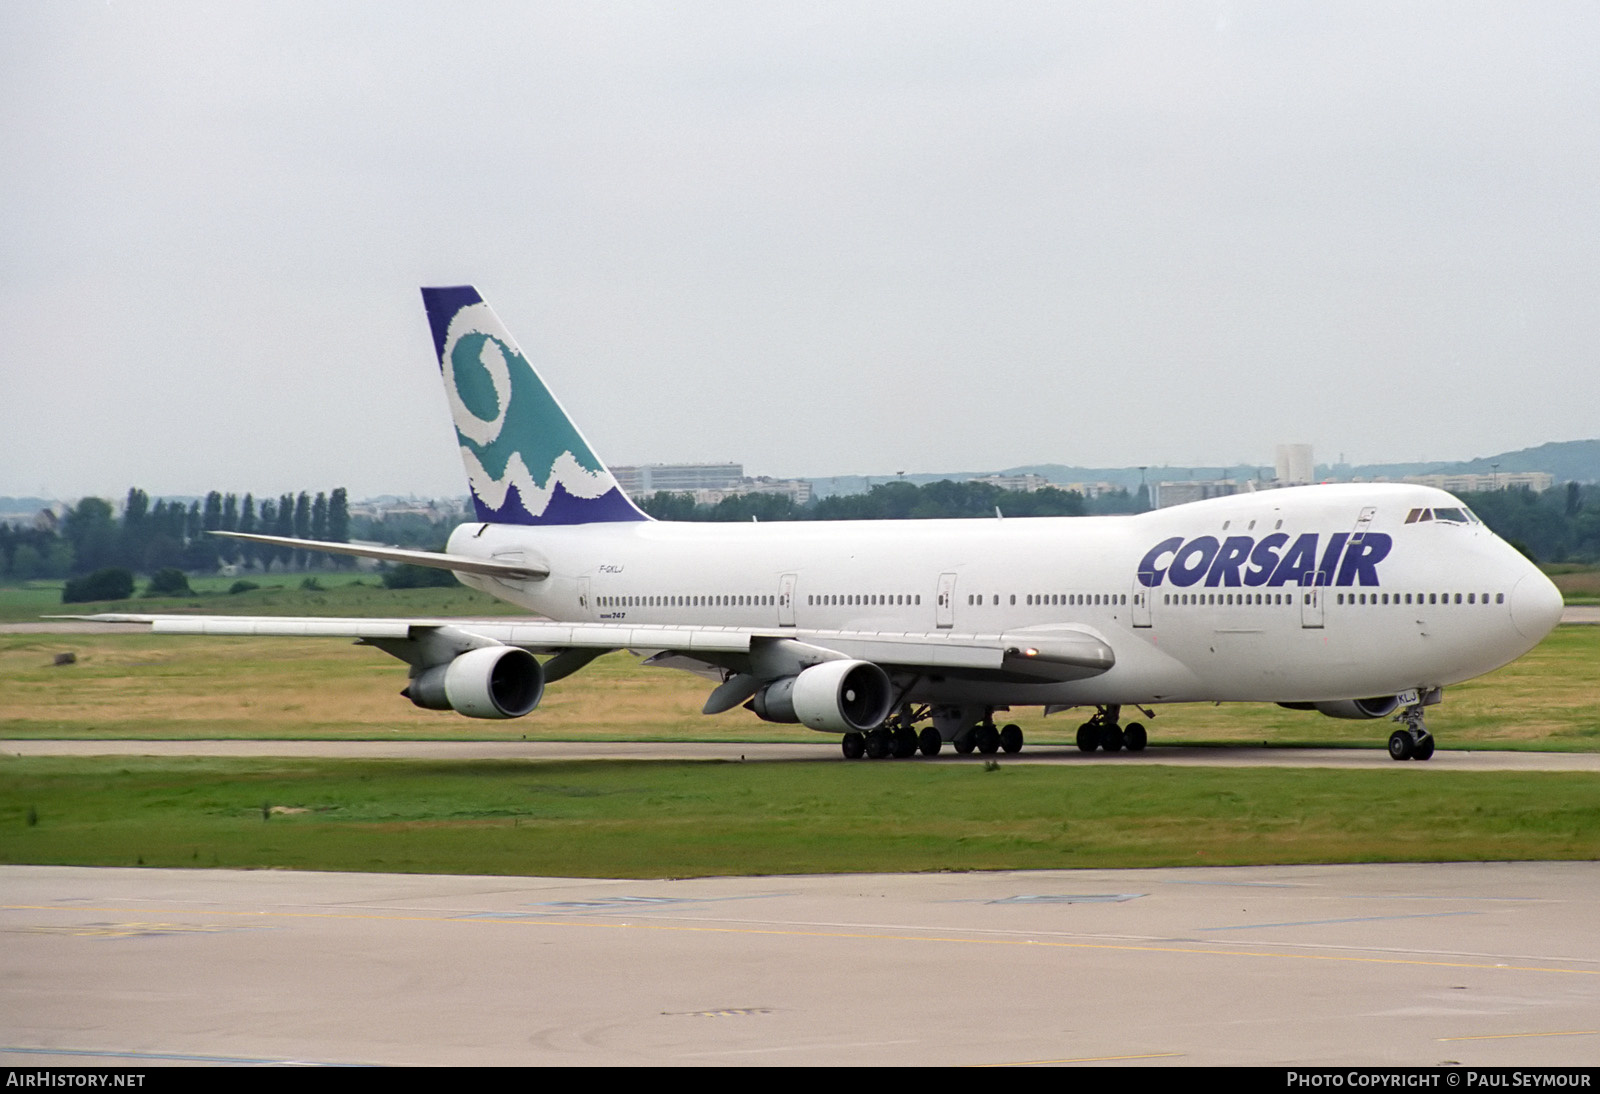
(526, 461)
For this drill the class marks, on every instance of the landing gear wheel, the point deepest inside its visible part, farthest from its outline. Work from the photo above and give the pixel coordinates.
(1111, 738)
(1011, 739)
(988, 740)
(930, 742)
(853, 745)
(1134, 738)
(1400, 745)
(1423, 749)
(1088, 737)
(879, 744)
(905, 743)
(964, 743)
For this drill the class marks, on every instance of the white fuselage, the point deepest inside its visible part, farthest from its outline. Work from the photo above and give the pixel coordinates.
(1306, 594)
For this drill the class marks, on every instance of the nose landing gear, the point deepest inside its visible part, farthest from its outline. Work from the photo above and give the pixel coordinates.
(1413, 742)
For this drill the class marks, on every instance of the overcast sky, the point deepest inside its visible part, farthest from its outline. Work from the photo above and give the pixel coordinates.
(812, 238)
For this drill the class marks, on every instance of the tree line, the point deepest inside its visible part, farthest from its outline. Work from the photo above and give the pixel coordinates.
(1561, 524)
(901, 500)
(170, 535)
(1558, 525)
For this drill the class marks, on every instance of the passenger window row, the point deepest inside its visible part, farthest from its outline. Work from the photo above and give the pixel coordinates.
(1051, 599)
(865, 599)
(1431, 598)
(1184, 599)
(707, 601)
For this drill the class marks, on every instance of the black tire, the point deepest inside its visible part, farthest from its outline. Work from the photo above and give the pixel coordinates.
(1423, 749)
(905, 744)
(1111, 738)
(988, 740)
(1134, 737)
(964, 743)
(1088, 737)
(879, 744)
(1400, 745)
(1011, 739)
(854, 746)
(930, 742)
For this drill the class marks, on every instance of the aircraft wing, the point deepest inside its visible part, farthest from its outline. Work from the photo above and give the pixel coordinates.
(438, 560)
(1042, 654)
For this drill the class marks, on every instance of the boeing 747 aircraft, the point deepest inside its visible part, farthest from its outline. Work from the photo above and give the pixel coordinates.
(1354, 600)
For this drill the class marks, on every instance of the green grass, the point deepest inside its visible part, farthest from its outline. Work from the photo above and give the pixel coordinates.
(669, 819)
(1579, 583)
(147, 686)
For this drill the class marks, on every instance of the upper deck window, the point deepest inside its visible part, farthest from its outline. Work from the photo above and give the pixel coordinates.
(1460, 515)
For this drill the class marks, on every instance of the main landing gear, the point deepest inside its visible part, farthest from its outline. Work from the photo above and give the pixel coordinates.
(1413, 742)
(898, 737)
(1102, 731)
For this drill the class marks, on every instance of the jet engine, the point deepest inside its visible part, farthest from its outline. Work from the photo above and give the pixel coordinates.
(1379, 707)
(835, 696)
(489, 682)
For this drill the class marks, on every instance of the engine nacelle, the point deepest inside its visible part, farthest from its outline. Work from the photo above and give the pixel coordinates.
(1360, 709)
(491, 682)
(835, 696)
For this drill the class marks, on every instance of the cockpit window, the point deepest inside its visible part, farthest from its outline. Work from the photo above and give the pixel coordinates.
(1457, 516)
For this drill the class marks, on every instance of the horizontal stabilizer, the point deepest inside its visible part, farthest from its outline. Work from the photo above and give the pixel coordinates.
(438, 560)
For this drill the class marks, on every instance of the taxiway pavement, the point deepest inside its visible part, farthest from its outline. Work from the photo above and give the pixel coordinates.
(824, 749)
(1482, 964)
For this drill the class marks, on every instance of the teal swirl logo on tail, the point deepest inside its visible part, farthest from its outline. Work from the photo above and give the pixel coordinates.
(526, 462)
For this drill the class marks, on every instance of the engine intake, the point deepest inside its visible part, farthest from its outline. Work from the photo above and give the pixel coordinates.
(835, 697)
(491, 682)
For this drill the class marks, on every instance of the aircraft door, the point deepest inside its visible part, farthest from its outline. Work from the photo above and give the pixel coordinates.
(945, 603)
(1139, 601)
(1363, 523)
(1311, 606)
(786, 600)
(1313, 600)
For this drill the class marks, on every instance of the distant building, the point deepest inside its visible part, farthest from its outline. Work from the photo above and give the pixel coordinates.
(1477, 484)
(1164, 495)
(1087, 489)
(1295, 467)
(709, 483)
(1032, 484)
(642, 481)
(798, 491)
(1025, 484)
(433, 510)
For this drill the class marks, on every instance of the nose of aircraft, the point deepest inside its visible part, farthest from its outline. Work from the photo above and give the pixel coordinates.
(1535, 605)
